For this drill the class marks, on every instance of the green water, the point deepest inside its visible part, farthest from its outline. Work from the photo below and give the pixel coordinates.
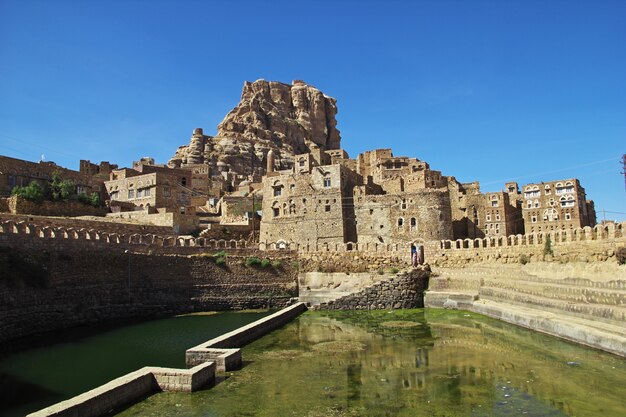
(331, 364)
(70, 363)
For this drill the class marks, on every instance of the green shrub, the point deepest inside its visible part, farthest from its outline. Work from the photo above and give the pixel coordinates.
(381, 272)
(394, 270)
(547, 246)
(620, 255)
(61, 190)
(92, 199)
(276, 264)
(265, 263)
(219, 258)
(524, 259)
(295, 265)
(32, 192)
(253, 261)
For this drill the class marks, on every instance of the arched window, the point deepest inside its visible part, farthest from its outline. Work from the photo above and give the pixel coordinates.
(183, 181)
(413, 223)
(550, 215)
(400, 222)
(277, 189)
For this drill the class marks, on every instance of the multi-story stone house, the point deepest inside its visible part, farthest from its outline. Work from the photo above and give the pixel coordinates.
(556, 205)
(503, 216)
(321, 200)
(151, 187)
(311, 204)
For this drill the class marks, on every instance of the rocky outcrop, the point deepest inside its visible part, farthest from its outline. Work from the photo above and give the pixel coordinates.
(288, 119)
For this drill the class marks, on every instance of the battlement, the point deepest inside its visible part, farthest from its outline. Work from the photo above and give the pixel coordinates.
(27, 229)
(609, 231)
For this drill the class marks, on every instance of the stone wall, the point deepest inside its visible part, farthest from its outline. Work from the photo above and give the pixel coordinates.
(352, 262)
(406, 290)
(179, 223)
(574, 245)
(47, 284)
(89, 223)
(18, 205)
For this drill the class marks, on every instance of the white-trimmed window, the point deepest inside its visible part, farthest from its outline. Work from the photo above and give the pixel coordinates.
(327, 182)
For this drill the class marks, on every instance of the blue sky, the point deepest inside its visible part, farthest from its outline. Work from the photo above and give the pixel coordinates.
(481, 90)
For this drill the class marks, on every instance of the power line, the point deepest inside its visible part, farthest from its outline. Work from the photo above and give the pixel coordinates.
(554, 171)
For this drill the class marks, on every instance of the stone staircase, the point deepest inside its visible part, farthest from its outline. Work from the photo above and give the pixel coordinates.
(594, 309)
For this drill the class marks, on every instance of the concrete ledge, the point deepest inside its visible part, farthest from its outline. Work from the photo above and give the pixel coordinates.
(223, 349)
(129, 388)
(216, 354)
(601, 336)
(188, 380)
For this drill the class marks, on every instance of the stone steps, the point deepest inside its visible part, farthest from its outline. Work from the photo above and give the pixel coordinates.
(449, 299)
(559, 291)
(444, 283)
(600, 335)
(609, 313)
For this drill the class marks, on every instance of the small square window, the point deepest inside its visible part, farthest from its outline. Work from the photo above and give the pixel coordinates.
(327, 207)
(275, 211)
(326, 182)
(131, 193)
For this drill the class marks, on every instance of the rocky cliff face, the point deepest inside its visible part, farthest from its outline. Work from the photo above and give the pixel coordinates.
(288, 119)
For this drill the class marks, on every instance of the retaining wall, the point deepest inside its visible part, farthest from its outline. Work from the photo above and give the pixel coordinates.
(406, 290)
(46, 284)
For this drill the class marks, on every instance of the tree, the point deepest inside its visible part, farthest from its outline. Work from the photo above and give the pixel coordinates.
(92, 199)
(31, 192)
(547, 246)
(61, 190)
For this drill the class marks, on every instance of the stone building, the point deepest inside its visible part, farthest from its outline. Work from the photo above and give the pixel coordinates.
(383, 199)
(309, 204)
(503, 215)
(150, 187)
(378, 198)
(103, 168)
(17, 172)
(556, 205)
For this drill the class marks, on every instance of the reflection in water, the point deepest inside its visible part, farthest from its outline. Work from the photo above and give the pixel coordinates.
(81, 359)
(452, 364)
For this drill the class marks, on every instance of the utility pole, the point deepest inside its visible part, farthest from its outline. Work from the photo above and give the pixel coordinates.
(624, 168)
(253, 198)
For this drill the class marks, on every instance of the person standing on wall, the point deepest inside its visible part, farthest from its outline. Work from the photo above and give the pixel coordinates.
(419, 251)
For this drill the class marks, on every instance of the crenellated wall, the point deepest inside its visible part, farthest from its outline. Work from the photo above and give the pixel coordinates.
(78, 277)
(575, 245)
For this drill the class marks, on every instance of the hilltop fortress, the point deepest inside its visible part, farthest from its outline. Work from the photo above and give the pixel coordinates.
(277, 154)
(272, 208)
